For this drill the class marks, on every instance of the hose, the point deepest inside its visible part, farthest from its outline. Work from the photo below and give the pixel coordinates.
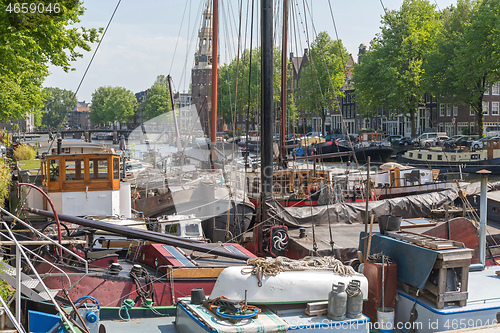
(127, 304)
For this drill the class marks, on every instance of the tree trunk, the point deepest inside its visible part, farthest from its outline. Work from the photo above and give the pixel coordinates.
(412, 123)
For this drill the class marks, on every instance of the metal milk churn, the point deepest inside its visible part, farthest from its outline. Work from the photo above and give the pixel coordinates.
(354, 299)
(337, 302)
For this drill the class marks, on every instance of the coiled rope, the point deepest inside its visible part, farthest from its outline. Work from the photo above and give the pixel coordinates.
(127, 304)
(273, 266)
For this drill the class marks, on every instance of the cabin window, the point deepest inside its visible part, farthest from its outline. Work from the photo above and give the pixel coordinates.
(116, 168)
(74, 169)
(419, 156)
(429, 156)
(172, 229)
(54, 170)
(98, 168)
(411, 154)
(192, 229)
(440, 157)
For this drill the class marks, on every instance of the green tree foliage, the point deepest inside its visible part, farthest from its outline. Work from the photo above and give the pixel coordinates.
(57, 105)
(239, 90)
(158, 98)
(5, 181)
(390, 73)
(24, 152)
(321, 81)
(111, 105)
(467, 62)
(29, 42)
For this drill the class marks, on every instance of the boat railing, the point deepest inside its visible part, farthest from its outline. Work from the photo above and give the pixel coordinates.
(17, 324)
(21, 252)
(56, 244)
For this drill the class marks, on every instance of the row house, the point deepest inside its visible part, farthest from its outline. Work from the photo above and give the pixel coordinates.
(79, 117)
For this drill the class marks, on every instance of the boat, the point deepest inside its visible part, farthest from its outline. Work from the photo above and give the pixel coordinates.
(396, 180)
(374, 146)
(464, 160)
(276, 308)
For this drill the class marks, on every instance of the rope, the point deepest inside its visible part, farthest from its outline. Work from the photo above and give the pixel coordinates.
(274, 266)
(146, 291)
(127, 304)
(377, 258)
(353, 290)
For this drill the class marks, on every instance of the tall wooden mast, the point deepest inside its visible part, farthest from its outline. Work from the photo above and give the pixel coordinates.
(213, 115)
(266, 114)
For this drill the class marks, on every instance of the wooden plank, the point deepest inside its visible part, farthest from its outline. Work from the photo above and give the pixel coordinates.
(312, 306)
(453, 296)
(317, 312)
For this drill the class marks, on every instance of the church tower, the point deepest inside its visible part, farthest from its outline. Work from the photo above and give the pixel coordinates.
(201, 74)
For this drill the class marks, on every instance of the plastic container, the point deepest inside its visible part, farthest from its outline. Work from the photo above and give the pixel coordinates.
(388, 223)
(385, 320)
(337, 302)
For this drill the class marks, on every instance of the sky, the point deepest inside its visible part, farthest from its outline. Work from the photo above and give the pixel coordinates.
(151, 37)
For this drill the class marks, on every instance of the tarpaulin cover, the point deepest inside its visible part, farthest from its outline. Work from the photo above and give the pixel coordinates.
(412, 206)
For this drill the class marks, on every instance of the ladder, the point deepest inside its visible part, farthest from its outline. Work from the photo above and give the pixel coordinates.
(31, 288)
(434, 243)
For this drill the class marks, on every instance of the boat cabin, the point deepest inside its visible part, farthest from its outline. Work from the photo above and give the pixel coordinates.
(186, 226)
(84, 184)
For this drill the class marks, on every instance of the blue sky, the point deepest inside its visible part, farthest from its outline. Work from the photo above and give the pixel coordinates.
(151, 37)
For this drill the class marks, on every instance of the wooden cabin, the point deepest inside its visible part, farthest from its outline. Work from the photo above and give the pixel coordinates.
(86, 184)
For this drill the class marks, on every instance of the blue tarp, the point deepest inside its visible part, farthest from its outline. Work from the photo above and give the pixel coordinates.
(414, 262)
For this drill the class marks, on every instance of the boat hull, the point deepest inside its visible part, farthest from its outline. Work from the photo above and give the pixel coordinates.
(286, 287)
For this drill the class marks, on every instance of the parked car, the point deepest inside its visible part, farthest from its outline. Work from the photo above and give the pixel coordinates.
(421, 139)
(406, 142)
(478, 144)
(314, 135)
(394, 138)
(434, 142)
(460, 140)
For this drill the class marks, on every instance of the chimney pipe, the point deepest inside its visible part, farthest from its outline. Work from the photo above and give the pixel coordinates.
(59, 146)
(483, 209)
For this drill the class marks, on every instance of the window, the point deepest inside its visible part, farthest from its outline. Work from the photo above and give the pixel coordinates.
(116, 168)
(441, 109)
(455, 110)
(486, 108)
(448, 110)
(54, 170)
(495, 89)
(494, 108)
(74, 169)
(429, 156)
(471, 111)
(440, 157)
(98, 168)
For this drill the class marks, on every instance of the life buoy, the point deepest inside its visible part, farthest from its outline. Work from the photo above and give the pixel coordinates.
(373, 196)
(314, 188)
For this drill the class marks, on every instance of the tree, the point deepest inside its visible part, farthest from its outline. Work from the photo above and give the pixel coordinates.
(389, 75)
(246, 98)
(158, 98)
(466, 62)
(111, 105)
(29, 42)
(57, 105)
(320, 83)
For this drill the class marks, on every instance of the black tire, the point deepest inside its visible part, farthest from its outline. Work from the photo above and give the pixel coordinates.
(476, 146)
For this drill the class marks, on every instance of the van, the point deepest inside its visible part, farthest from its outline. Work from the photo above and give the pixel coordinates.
(428, 136)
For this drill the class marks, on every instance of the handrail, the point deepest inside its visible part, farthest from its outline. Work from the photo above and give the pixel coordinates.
(39, 234)
(19, 248)
(38, 256)
(9, 313)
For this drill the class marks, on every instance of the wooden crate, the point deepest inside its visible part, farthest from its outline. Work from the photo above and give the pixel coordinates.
(458, 259)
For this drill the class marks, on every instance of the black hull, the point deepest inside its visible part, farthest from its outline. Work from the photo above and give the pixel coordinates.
(377, 154)
(325, 148)
(492, 165)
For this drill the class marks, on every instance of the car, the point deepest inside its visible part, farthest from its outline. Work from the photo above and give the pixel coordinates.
(460, 140)
(314, 135)
(394, 138)
(406, 142)
(433, 142)
(422, 138)
(478, 144)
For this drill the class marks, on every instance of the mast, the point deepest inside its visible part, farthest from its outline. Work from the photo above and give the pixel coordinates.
(178, 135)
(266, 114)
(213, 114)
(283, 84)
